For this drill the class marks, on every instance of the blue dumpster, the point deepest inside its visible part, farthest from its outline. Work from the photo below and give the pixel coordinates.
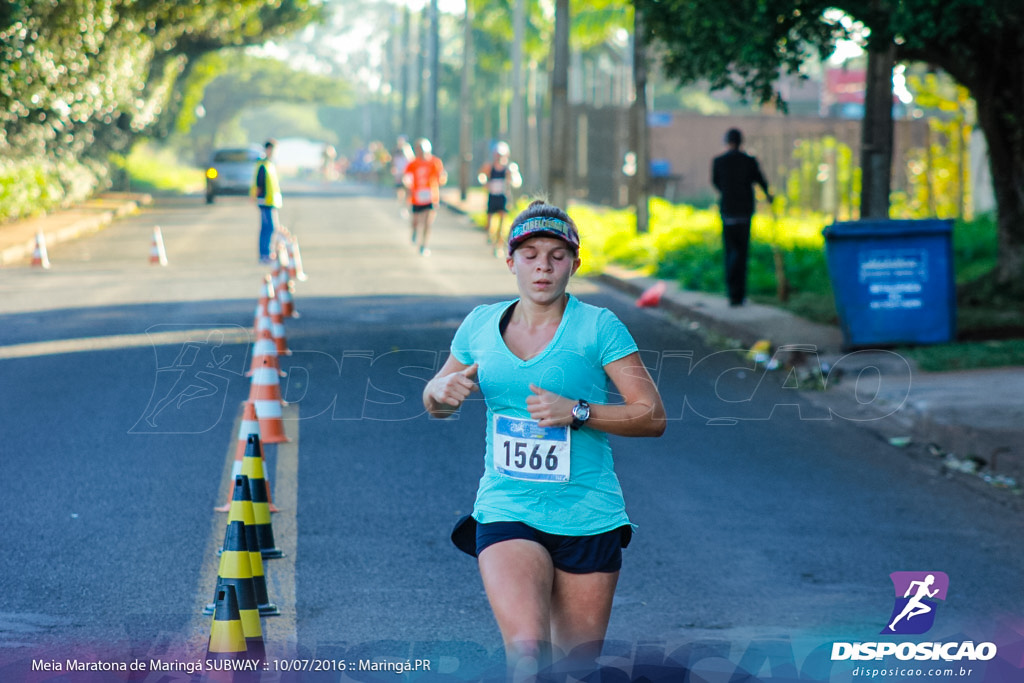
(893, 281)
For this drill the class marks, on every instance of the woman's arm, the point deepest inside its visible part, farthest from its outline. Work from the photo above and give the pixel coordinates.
(453, 383)
(640, 414)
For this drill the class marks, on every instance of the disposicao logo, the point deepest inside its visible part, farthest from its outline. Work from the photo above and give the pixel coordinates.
(917, 596)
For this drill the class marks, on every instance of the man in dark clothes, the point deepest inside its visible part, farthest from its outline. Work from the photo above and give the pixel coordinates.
(734, 174)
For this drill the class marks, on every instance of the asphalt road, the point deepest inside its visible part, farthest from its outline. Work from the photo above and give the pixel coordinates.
(766, 529)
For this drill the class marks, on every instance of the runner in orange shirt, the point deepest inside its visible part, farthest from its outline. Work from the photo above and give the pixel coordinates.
(424, 177)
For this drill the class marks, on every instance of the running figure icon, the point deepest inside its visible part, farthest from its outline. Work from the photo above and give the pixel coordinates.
(916, 606)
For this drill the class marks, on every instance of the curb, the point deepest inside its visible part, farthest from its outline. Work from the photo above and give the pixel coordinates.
(99, 212)
(747, 325)
(635, 285)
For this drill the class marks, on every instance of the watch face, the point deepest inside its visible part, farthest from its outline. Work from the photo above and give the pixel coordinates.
(581, 412)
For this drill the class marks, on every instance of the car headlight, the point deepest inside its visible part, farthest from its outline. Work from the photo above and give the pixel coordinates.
(211, 173)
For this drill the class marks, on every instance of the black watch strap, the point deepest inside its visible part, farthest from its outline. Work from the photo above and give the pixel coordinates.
(581, 406)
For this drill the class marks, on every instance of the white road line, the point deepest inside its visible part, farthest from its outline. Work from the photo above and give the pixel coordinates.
(235, 334)
(280, 632)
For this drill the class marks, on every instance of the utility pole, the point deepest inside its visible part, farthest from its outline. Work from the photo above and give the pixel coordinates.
(465, 105)
(558, 184)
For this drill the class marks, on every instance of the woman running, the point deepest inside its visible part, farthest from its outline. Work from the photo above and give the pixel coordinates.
(549, 522)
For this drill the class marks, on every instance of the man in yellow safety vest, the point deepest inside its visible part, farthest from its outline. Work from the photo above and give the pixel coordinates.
(266, 191)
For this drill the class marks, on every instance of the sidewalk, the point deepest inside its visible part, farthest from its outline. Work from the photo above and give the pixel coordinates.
(18, 239)
(968, 424)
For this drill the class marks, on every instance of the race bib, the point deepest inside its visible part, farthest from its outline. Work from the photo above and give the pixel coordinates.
(496, 186)
(525, 450)
(424, 196)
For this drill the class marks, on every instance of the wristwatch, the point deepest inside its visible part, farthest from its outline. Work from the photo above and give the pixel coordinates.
(580, 414)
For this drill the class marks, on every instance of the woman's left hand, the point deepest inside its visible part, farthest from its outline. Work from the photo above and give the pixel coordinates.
(548, 408)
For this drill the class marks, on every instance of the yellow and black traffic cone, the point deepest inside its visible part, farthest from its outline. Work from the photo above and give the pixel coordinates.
(249, 425)
(236, 571)
(241, 510)
(252, 467)
(227, 638)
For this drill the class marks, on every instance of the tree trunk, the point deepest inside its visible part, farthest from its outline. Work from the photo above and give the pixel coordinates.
(639, 128)
(999, 116)
(466, 106)
(558, 184)
(406, 64)
(434, 49)
(517, 120)
(876, 134)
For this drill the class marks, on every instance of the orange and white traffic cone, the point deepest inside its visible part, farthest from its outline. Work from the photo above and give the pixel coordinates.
(275, 272)
(261, 319)
(265, 394)
(277, 327)
(285, 296)
(40, 258)
(284, 285)
(652, 295)
(296, 260)
(264, 350)
(271, 420)
(157, 253)
(266, 385)
(248, 427)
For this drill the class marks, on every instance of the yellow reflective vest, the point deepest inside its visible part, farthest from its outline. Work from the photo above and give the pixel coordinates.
(272, 195)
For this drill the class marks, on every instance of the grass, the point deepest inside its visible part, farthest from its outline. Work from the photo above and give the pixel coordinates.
(684, 245)
(156, 170)
(967, 355)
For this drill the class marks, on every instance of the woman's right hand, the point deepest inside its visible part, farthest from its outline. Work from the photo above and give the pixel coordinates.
(446, 392)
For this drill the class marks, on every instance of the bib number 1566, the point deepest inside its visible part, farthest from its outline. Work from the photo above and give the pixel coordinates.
(524, 450)
(516, 453)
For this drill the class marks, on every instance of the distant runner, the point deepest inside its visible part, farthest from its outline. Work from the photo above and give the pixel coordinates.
(424, 177)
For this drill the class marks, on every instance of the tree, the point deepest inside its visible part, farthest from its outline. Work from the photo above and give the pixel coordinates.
(558, 185)
(497, 43)
(747, 44)
(80, 79)
(250, 82)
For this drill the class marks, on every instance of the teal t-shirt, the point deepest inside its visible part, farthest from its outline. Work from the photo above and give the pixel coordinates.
(588, 338)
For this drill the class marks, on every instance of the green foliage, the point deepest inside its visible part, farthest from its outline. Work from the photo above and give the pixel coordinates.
(594, 22)
(746, 44)
(80, 79)
(153, 169)
(967, 355)
(31, 187)
(743, 44)
(684, 245)
(825, 178)
(939, 181)
(234, 82)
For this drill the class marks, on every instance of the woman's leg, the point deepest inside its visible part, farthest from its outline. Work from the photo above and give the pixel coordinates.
(581, 605)
(518, 577)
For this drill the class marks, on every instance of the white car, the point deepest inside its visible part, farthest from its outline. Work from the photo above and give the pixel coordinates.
(231, 171)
